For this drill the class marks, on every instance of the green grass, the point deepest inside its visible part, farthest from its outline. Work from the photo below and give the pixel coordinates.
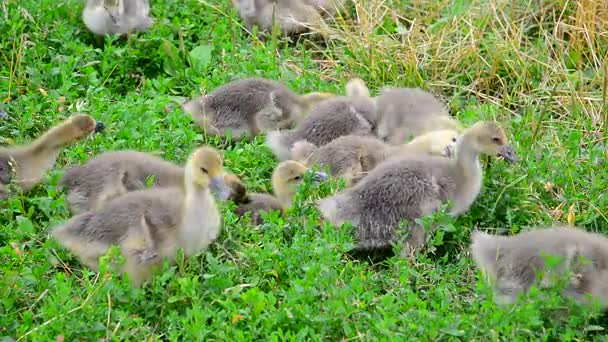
(538, 67)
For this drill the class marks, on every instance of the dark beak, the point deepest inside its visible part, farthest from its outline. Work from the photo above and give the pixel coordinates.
(219, 187)
(508, 153)
(319, 176)
(449, 151)
(99, 127)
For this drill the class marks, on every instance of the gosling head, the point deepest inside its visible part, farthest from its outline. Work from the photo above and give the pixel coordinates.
(310, 100)
(85, 124)
(288, 176)
(205, 169)
(487, 137)
(444, 143)
(438, 143)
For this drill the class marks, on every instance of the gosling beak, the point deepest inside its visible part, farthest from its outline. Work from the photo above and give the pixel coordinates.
(508, 153)
(319, 176)
(219, 188)
(449, 151)
(99, 127)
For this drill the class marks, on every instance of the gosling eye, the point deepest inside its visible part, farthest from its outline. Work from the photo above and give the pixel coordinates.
(496, 140)
(297, 178)
(454, 139)
(203, 170)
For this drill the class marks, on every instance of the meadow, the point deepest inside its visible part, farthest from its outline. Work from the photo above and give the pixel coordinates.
(537, 67)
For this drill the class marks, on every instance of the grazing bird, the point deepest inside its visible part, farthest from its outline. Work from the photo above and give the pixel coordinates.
(354, 114)
(250, 106)
(121, 17)
(411, 187)
(286, 179)
(515, 263)
(352, 157)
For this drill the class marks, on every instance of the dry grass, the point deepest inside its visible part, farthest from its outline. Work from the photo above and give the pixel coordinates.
(547, 55)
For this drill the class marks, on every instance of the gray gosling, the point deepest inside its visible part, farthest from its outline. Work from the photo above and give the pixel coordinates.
(352, 157)
(290, 16)
(354, 114)
(26, 165)
(411, 187)
(513, 264)
(327, 8)
(121, 17)
(113, 174)
(404, 113)
(250, 106)
(286, 179)
(149, 225)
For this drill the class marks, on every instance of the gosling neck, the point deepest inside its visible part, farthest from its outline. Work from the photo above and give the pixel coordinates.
(200, 220)
(468, 174)
(55, 138)
(285, 197)
(467, 157)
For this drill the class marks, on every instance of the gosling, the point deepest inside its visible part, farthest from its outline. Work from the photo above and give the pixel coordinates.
(513, 264)
(354, 114)
(286, 179)
(250, 106)
(149, 225)
(121, 17)
(290, 16)
(352, 157)
(404, 113)
(26, 165)
(113, 174)
(411, 187)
